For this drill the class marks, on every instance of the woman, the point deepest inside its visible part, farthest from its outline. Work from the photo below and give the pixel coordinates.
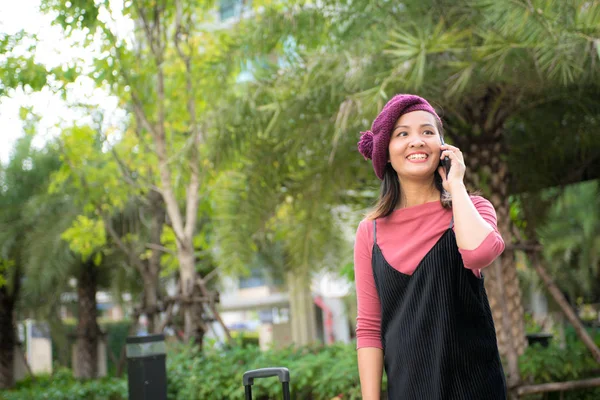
(423, 312)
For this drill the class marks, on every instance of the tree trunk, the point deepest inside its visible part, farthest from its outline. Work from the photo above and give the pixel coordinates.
(87, 325)
(478, 129)
(8, 338)
(194, 328)
(183, 224)
(302, 308)
(151, 300)
(502, 283)
(152, 267)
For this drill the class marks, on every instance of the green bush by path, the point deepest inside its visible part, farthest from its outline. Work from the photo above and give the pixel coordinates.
(317, 373)
(552, 364)
(245, 338)
(62, 386)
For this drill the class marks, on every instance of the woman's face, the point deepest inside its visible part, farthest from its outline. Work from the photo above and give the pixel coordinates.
(414, 148)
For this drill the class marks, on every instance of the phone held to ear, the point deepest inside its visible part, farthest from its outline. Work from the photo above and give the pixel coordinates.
(445, 162)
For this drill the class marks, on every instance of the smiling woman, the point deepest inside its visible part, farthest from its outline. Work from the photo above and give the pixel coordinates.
(415, 147)
(418, 120)
(423, 312)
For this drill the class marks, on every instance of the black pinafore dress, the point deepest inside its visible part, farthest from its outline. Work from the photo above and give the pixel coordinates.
(437, 330)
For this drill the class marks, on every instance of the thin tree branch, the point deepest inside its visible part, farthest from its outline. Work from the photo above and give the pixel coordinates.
(214, 310)
(566, 308)
(139, 111)
(534, 250)
(210, 275)
(179, 32)
(146, 25)
(136, 102)
(558, 386)
(158, 217)
(161, 151)
(160, 248)
(27, 366)
(127, 175)
(168, 318)
(128, 251)
(140, 136)
(167, 192)
(194, 185)
(192, 193)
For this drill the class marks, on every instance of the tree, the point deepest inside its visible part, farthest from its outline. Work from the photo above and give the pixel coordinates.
(167, 96)
(540, 215)
(25, 178)
(60, 244)
(483, 63)
(18, 70)
(132, 215)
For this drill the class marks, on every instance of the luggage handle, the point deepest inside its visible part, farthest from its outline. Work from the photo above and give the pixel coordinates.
(282, 373)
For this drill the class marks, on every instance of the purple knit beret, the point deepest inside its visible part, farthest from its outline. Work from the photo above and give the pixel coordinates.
(374, 144)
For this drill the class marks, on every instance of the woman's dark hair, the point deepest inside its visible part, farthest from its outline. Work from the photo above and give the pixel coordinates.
(390, 189)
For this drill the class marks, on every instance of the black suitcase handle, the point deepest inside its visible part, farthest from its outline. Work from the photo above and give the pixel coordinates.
(282, 373)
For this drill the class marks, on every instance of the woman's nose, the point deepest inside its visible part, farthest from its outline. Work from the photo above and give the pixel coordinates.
(417, 143)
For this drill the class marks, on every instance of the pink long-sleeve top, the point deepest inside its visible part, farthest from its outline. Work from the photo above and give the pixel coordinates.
(405, 237)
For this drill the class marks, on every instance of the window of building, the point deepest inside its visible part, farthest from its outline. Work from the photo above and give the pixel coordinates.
(256, 278)
(232, 8)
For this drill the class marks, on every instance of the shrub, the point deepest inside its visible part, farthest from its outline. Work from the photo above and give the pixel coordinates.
(62, 386)
(553, 364)
(245, 338)
(317, 373)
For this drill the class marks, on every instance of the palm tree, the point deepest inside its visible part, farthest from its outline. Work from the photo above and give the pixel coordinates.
(485, 64)
(24, 179)
(42, 263)
(54, 259)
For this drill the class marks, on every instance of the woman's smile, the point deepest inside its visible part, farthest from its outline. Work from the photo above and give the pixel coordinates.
(417, 157)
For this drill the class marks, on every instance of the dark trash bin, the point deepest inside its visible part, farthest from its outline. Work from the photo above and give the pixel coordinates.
(146, 367)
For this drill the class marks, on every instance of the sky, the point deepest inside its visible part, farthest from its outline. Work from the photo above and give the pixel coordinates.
(53, 50)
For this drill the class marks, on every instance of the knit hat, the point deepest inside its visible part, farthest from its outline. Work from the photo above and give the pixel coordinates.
(374, 144)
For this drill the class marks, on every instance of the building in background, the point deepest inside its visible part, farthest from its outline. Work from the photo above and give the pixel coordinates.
(257, 304)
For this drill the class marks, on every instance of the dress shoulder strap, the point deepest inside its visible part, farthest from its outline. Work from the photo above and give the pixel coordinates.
(375, 231)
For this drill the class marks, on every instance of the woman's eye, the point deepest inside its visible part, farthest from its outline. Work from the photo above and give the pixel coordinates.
(402, 134)
(429, 133)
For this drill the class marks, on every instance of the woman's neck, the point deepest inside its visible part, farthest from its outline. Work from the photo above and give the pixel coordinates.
(417, 193)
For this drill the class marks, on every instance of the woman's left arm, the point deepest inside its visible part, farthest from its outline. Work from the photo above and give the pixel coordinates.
(470, 227)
